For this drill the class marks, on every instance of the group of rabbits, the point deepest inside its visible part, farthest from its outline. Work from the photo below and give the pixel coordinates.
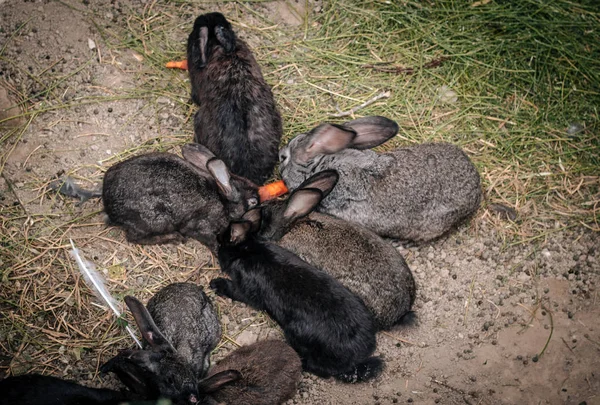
(315, 262)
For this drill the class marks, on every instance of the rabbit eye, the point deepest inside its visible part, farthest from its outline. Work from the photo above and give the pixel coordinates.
(252, 202)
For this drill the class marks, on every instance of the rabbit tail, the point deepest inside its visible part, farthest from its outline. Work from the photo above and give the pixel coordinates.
(365, 371)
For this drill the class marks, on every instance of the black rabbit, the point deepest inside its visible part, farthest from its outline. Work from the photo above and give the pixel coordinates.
(237, 117)
(329, 327)
(180, 328)
(36, 389)
(161, 198)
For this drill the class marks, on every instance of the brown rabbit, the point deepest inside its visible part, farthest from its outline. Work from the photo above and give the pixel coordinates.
(269, 370)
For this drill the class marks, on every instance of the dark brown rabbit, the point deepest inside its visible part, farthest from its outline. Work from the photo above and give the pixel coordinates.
(162, 198)
(237, 117)
(269, 373)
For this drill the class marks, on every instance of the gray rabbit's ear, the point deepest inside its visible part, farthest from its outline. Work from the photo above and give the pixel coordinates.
(372, 131)
(216, 381)
(238, 231)
(253, 216)
(218, 169)
(324, 181)
(198, 155)
(147, 327)
(301, 203)
(327, 139)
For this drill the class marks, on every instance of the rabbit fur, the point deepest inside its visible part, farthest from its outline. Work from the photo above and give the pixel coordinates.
(270, 371)
(412, 193)
(35, 389)
(162, 198)
(237, 118)
(180, 329)
(328, 326)
(363, 262)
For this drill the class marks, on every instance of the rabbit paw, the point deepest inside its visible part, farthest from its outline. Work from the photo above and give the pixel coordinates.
(222, 286)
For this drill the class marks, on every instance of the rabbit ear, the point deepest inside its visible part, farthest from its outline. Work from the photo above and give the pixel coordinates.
(324, 181)
(327, 139)
(301, 203)
(238, 231)
(216, 381)
(218, 169)
(226, 38)
(253, 216)
(202, 56)
(372, 131)
(130, 368)
(147, 327)
(197, 154)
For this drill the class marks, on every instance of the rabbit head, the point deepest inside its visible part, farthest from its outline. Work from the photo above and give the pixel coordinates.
(279, 215)
(210, 30)
(305, 151)
(239, 193)
(157, 370)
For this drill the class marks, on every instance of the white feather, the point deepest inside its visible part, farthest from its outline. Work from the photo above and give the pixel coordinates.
(95, 282)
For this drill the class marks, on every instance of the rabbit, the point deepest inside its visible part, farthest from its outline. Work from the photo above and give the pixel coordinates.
(328, 326)
(35, 389)
(264, 373)
(237, 117)
(270, 371)
(414, 193)
(162, 198)
(363, 262)
(180, 329)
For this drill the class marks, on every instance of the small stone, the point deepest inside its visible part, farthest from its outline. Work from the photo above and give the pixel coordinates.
(91, 44)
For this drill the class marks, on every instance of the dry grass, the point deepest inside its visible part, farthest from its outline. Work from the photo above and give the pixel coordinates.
(518, 84)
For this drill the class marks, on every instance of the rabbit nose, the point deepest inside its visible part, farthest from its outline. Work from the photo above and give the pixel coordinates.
(283, 156)
(192, 399)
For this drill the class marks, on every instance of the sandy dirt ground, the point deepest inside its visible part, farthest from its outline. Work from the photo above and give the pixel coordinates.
(496, 323)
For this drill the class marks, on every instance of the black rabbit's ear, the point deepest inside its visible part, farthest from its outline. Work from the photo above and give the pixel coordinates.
(372, 131)
(226, 38)
(327, 139)
(216, 381)
(218, 169)
(201, 56)
(324, 181)
(131, 370)
(301, 203)
(238, 231)
(197, 154)
(253, 216)
(147, 327)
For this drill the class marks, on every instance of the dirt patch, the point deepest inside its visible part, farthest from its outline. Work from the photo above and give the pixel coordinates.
(497, 324)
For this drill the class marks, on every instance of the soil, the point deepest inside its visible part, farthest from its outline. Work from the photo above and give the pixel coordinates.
(495, 323)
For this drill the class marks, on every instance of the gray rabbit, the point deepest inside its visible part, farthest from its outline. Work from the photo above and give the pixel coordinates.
(180, 329)
(161, 198)
(413, 193)
(363, 262)
(269, 371)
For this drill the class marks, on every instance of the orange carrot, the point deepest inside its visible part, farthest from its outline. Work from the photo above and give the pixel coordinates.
(183, 65)
(272, 190)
